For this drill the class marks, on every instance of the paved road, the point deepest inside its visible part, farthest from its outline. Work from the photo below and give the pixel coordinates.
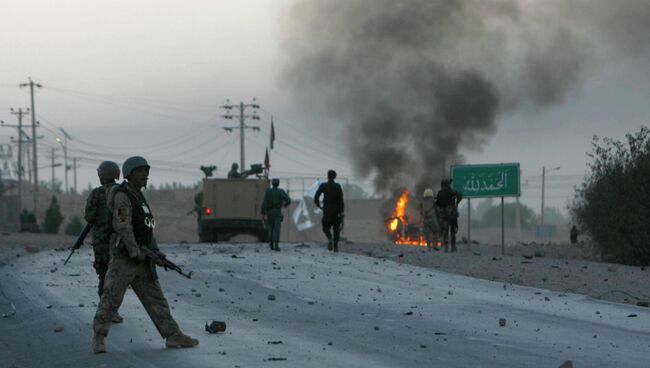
(330, 310)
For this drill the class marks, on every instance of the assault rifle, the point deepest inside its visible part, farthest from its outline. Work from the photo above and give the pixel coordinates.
(164, 262)
(80, 241)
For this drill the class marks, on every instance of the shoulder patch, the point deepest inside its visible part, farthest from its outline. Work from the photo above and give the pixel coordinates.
(123, 213)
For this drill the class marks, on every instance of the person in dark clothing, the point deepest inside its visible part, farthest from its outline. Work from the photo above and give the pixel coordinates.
(447, 202)
(332, 207)
(573, 235)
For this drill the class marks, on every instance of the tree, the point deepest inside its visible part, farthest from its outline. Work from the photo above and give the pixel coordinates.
(74, 227)
(53, 217)
(613, 202)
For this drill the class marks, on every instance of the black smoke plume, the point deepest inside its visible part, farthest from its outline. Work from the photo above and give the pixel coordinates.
(416, 81)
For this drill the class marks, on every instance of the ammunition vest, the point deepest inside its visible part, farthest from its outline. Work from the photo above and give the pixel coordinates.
(142, 219)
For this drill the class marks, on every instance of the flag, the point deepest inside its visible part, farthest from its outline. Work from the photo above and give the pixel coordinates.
(267, 163)
(272, 139)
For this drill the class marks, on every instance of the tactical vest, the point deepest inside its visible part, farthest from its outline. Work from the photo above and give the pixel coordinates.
(102, 225)
(142, 219)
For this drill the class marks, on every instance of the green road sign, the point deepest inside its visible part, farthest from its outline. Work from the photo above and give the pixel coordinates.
(489, 180)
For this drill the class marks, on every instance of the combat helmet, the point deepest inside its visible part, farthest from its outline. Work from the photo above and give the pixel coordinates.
(108, 170)
(132, 163)
(234, 166)
(428, 193)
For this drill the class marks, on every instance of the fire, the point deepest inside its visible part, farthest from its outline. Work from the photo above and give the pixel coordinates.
(401, 234)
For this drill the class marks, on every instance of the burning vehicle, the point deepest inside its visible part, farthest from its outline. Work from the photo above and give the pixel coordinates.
(402, 230)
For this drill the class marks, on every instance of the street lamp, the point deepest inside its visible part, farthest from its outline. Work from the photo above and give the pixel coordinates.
(544, 171)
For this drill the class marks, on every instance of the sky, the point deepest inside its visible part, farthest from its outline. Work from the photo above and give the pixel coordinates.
(148, 78)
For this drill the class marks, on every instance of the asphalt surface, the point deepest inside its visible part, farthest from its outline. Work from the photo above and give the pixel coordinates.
(328, 310)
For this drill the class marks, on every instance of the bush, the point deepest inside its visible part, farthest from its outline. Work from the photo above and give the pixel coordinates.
(613, 203)
(28, 222)
(74, 227)
(53, 217)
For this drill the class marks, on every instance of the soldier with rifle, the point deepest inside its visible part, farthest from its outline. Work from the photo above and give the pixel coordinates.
(134, 255)
(98, 217)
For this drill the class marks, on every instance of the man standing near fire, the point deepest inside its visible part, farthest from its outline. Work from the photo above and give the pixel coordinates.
(332, 209)
(429, 220)
(447, 202)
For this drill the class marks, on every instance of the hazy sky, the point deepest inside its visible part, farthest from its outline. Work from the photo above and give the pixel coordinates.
(147, 78)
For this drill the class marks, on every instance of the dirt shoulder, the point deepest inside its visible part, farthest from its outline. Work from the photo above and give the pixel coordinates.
(561, 268)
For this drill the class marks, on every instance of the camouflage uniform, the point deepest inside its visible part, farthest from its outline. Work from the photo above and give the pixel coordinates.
(274, 199)
(99, 217)
(133, 224)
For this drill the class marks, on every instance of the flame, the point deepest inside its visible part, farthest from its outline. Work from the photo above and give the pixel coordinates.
(398, 217)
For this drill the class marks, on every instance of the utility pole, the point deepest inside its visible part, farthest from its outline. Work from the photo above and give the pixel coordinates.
(543, 184)
(53, 157)
(74, 170)
(31, 86)
(20, 113)
(242, 124)
(64, 144)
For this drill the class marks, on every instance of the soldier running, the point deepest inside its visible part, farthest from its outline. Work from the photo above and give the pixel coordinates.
(274, 199)
(99, 217)
(131, 263)
(333, 207)
(447, 202)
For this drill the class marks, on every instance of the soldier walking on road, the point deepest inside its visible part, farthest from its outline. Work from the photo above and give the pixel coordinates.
(274, 200)
(132, 247)
(447, 202)
(98, 215)
(333, 208)
(429, 218)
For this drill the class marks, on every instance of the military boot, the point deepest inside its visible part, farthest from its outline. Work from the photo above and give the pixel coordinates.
(180, 340)
(271, 245)
(276, 247)
(329, 244)
(117, 318)
(98, 344)
(336, 246)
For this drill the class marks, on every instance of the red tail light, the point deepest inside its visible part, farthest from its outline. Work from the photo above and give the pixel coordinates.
(207, 211)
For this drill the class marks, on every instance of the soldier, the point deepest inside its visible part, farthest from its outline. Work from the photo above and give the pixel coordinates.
(234, 171)
(447, 202)
(99, 217)
(429, 218)
(274, 199)
(131, 262)
(198, 209)
(332, 209)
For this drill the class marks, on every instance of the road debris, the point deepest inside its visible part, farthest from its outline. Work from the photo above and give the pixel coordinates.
(215, 326)
(502, 322)
(12, 313)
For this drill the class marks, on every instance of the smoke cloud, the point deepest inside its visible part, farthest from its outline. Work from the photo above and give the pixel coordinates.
(416, 81)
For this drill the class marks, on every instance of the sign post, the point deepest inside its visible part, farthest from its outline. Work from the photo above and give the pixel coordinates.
(487, 181)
